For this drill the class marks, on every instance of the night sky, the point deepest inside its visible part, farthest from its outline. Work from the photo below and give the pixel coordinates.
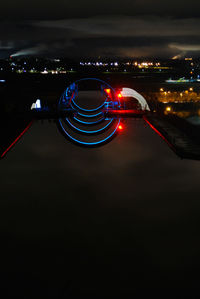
(133, 28)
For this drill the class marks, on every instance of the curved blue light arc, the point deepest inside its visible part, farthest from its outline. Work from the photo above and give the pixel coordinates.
(88, 123)
(89, 132)
(92, 79)
(90, 113)
(88, 110)
(93, 115)
(89, 143)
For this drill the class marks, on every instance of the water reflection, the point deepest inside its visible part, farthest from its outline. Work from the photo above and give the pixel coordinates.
(112, 220)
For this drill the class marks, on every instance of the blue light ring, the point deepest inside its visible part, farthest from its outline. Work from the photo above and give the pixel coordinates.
(90, 116)
(95, 132)
(87, 144)
(88, 110)
(89, 123)
(102, 82)
(76, 92)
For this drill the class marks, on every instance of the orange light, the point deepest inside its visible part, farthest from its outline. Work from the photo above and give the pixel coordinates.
(119, 95)
(108, 91)
(168, 109)
(120, 127)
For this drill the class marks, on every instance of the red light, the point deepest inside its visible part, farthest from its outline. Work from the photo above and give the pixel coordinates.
(119, 95)
(120, 127)
(108, 91)
(15, 141)
(155, 130)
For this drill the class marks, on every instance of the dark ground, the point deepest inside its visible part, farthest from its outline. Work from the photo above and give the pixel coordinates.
(120, 221)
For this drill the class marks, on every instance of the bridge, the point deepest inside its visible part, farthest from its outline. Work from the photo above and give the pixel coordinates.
(96, 125)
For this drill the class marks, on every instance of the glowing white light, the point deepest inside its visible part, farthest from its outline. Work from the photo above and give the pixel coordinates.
(36, 105)
(128, 92)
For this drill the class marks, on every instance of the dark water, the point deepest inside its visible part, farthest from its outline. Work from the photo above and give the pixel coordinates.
(113, 222)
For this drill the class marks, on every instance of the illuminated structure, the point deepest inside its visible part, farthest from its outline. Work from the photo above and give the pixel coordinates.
(86, 124)
(97, 125)
(128, 92)
(83, 123)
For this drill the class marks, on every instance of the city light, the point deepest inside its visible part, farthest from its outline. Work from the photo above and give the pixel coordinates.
(184, 96)
(168, 109)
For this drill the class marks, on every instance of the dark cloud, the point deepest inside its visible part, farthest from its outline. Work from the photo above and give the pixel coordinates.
(79, 28)
(127, 26)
